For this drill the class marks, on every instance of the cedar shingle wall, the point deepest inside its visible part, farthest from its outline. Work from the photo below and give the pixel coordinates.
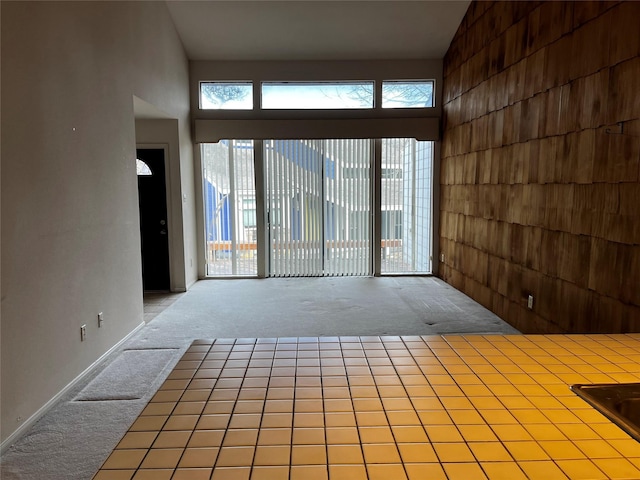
(536, 196)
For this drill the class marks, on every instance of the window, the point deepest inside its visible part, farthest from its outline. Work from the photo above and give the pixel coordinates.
(355, 172)
(392, 173)
(143, 169)
(391, 224)
(320, 95)
(226, 95)
(274, 216)
(407, 94)
(249, 213)
(229, 208)
(337, 95)
(406, 206)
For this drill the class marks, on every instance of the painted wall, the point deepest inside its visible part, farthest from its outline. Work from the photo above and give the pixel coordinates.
(70, 228)
(540, 180)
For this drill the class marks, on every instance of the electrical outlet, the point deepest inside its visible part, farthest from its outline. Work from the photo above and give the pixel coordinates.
(100, 319)
(83, 333)
(442, 257)
(530, 302)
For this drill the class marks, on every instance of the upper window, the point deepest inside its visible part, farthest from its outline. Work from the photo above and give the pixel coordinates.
(226, 95)
(335, 95)
(407, 94)
(317, 95)
(143, 169)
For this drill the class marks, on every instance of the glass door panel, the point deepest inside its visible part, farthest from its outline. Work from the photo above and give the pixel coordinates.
(230, 208)
(347, 207)
(406, 193)
(318, 202)
(294, 170)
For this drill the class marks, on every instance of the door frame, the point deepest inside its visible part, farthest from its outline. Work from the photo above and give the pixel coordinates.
(168, 196)
(263, 231)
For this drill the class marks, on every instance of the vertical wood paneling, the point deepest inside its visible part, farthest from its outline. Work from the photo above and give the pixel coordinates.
(540, 192)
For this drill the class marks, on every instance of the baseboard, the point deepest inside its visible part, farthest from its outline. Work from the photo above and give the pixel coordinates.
(11, 439)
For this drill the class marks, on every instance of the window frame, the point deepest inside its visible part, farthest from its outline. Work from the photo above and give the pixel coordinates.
(236, 83)
(320, 83)
(425, 81)
(377, 94)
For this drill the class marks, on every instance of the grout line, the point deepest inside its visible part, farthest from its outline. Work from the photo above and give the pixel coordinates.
(386, 414)
(324, 413)
(159, 431)
(355, 416)
(201, 412)
(224, 435)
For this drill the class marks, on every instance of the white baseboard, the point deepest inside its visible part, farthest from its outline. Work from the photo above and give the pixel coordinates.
(11, 439)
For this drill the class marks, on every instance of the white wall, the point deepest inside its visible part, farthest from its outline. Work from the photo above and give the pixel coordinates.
(70, 228)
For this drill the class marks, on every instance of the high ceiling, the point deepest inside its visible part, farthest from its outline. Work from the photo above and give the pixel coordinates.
(316, 30)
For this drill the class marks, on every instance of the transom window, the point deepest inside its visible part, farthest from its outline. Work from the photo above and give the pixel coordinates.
(142, 169)
(407, 94)
(226, 95)
(323, 95)
(336, 95)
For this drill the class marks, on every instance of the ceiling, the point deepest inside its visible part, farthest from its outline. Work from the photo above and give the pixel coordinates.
(316, 30)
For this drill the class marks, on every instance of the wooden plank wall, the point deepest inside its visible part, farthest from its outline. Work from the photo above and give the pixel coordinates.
(540, 191)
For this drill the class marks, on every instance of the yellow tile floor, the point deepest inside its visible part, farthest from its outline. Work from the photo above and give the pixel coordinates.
(384, 408)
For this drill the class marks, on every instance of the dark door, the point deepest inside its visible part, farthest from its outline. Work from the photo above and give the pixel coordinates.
(152, 198)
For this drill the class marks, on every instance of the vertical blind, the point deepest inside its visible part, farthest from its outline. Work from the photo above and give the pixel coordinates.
(318, 202)
(294, 173)
(348, 207)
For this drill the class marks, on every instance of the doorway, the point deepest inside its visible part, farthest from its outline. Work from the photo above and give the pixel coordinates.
(152, 201)
(319, 207)
(318, 203)
(230, 208)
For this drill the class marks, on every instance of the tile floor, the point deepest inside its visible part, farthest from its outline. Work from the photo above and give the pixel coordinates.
(369, 408)
(156, 302)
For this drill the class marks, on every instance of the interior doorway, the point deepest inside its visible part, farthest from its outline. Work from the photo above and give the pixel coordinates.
(152, 201)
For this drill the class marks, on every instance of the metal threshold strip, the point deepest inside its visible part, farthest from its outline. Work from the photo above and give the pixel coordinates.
(620, 403)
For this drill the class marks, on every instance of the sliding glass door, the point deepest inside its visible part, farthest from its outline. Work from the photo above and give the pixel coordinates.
(294, 178)
(230, 208)
(406, 192)
(318, 207)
